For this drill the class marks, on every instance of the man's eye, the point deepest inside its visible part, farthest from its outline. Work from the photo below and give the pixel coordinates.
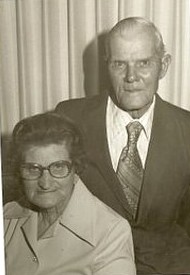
(119, 65)
(143, 63)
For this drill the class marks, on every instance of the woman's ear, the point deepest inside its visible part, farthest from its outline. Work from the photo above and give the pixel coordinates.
(166, 60)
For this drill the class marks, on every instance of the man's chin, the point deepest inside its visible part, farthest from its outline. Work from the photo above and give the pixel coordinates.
(130, 107)
(135, 110)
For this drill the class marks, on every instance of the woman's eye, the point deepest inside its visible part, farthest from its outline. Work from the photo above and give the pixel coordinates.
(33, 168)
(59, 166)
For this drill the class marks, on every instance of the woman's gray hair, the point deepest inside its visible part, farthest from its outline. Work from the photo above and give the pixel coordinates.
(45, 129)
(132, 22)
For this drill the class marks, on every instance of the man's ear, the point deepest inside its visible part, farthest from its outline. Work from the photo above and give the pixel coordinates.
(166, 60)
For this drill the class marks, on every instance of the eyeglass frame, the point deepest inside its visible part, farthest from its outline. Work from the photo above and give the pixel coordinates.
(42, 168)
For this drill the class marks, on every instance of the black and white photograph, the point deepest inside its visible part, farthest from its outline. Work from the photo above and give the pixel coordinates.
(95, 137)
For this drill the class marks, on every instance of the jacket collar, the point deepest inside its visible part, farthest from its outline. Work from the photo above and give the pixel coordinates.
(78, 217)
(160, 154)
(94, 122)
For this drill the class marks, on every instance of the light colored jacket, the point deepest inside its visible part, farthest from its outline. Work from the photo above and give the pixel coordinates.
(89, 238)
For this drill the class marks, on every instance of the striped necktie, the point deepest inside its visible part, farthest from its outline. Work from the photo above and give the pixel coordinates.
(130, 170)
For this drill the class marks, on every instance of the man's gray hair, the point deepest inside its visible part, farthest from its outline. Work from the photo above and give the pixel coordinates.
(122, 26)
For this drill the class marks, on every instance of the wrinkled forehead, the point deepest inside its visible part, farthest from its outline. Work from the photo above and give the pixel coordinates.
(29, 148)
(132, 43)
(44, 155)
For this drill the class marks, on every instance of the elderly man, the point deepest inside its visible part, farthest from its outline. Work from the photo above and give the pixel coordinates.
(139, 148)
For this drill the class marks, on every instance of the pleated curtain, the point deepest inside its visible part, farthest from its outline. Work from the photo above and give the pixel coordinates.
(52, 50)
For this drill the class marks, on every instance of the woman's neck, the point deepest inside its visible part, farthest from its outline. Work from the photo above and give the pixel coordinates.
(46, 217)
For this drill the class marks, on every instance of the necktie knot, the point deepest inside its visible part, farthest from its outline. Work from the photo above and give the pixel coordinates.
(134, 130)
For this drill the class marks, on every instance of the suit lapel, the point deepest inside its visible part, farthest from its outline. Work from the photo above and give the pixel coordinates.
(29, 229)
(161, 153)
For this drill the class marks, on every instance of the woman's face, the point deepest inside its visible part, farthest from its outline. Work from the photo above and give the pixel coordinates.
(47, 191)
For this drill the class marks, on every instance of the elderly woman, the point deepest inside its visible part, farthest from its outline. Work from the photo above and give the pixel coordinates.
(58, 227)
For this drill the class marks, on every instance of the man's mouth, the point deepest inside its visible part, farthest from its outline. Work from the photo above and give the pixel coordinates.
(131, 90)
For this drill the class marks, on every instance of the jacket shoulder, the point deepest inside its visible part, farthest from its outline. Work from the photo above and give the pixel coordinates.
(9, 208)
(13, 210)
(109, 216)
(177, 111)
(172, 114)
(73, 107)
(103, 214)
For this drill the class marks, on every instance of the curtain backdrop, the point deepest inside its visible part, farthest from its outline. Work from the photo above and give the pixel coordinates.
(52, 50)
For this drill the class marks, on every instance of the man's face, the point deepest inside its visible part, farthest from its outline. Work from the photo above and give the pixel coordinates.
(134, 69)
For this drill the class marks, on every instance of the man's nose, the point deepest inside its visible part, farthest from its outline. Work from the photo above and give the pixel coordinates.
(130, 74)
(45, 180)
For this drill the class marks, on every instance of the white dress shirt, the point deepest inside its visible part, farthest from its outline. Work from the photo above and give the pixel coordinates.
(116, 122)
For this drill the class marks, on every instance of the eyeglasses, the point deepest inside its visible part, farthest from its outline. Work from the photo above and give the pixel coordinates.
(57, 169)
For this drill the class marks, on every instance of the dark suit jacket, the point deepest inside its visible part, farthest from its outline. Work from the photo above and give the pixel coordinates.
(160, 231)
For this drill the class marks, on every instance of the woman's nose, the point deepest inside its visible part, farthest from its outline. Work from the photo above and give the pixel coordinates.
(45, 180)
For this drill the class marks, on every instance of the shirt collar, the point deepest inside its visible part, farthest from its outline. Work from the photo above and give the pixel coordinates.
(116, 113)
